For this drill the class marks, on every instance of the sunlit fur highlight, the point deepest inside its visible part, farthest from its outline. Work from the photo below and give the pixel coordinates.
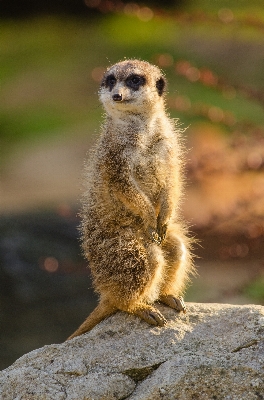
(133, 188)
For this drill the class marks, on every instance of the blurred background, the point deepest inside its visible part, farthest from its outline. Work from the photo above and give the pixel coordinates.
(53, 54)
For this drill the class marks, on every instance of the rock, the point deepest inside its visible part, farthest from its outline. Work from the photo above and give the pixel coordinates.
(213, 351)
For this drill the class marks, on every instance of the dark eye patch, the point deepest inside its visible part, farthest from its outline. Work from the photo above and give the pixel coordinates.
(135, 81)
(109, 82)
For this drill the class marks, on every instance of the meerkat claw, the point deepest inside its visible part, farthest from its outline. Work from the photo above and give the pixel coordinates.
(156, 238)
(161, 231)
(180, 304)
(174, 302)
(158, 317)
(151, 317)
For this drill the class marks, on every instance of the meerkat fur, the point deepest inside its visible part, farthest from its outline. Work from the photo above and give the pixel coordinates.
(132, 235)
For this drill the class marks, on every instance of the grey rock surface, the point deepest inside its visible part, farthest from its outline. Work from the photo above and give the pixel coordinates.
(213, 351)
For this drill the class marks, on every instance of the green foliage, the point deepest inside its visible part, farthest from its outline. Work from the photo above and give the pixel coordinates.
(256, 290)
(47, 65)
(133, 35)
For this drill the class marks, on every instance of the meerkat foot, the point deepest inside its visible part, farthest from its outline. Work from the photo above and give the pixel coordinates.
(151, 315)
(174, 302)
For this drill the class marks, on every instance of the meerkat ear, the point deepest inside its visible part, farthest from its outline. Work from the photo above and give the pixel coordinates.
(160, 85)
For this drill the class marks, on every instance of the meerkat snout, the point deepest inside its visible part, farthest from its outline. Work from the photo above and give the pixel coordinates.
(117, 97)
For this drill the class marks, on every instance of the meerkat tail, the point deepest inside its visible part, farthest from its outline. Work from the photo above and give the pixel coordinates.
(102, 311)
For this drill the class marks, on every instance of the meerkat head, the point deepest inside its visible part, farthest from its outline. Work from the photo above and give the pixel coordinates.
(132, 86)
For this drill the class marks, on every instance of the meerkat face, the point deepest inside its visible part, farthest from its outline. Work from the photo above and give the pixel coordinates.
(132, 86)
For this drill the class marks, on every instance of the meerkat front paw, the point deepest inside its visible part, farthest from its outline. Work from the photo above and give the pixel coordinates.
(158, 235)
(155, 237)
(151, 315)
(162, 230)
(161, 227)
(174, 302)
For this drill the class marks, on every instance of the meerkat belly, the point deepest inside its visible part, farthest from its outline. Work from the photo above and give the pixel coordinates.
(149, 176)
(107, 209)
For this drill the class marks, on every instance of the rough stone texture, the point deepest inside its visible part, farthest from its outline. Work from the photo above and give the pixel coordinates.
(212, 352)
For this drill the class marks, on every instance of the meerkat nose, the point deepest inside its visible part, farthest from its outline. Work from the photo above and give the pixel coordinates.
(117, 97)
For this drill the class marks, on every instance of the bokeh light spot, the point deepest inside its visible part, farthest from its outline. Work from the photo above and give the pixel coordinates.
(226, 15)
(193, 74)
(215, 114)
(51, 264)
(182, 103)
(165, 60)
(131, 9)
(145, 14)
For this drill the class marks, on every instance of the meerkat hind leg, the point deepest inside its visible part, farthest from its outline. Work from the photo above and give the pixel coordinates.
(178, 269)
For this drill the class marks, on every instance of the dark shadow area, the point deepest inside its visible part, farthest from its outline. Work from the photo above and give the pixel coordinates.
(45, 285)
(25, 8)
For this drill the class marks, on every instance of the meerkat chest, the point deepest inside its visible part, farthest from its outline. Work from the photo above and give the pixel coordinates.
(145, 166)
(149, 165)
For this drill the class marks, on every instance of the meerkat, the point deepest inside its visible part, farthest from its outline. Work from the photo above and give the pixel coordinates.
(136, 243)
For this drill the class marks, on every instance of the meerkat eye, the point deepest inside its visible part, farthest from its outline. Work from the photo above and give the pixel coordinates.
(110, 81)
(135, 81)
